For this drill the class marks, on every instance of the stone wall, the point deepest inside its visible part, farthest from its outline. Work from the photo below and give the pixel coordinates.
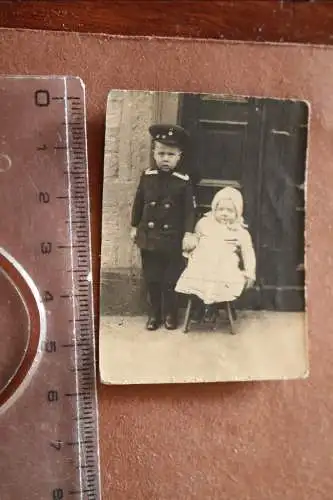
(127, 154)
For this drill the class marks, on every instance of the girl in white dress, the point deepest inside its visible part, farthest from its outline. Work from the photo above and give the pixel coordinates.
(214, 272)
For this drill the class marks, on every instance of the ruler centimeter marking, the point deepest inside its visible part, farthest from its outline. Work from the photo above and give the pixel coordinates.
(85, 377)
(62, 273)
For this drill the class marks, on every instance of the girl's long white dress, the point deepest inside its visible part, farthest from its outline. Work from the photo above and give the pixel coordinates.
(213, 272)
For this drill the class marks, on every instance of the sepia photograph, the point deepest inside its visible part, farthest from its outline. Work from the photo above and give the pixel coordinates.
(203, 238)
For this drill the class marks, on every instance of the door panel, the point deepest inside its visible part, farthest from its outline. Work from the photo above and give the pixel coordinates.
(226, 145)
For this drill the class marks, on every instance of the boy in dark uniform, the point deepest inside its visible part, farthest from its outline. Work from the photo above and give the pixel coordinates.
(163, 217)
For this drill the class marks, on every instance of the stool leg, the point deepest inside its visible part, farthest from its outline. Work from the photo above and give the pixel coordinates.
(231, 319)
(187, 315)
(233, 312)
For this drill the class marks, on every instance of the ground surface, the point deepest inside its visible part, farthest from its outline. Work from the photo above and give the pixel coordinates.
(268, 345)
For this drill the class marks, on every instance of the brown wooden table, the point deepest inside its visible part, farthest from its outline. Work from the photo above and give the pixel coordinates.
(260, 20)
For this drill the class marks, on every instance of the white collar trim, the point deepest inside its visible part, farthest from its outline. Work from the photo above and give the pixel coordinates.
(185, 177)
(151, 172)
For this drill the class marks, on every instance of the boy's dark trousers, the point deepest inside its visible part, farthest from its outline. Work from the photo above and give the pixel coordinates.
(161, 272)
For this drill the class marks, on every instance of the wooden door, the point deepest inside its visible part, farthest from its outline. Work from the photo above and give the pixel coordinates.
(258, 146)
(282, 215)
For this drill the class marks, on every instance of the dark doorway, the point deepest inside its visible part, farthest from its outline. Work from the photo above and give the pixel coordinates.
(258, 146)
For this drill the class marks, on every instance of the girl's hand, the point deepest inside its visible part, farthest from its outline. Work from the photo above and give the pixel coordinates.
(133, 233)
(249, 282)
(189, 242)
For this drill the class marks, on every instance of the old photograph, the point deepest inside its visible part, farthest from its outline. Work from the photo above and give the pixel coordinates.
(203, 238)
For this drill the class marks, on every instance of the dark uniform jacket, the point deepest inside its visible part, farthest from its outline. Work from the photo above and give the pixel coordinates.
(163, 210)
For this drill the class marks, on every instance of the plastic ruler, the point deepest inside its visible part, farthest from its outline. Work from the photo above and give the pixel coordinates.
(48, 408)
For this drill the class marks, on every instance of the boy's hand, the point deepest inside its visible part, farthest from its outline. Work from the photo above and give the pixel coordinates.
(133, 233)
(189, 242)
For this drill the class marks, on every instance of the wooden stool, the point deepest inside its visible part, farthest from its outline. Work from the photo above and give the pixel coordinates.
(230, 309)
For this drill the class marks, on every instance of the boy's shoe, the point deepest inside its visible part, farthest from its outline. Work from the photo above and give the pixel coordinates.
(153, 323)
(170, 322)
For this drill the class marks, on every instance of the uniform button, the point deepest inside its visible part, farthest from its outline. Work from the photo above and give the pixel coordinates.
(167, 205)
(151, 225)
(166, 226)
(153, 203)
